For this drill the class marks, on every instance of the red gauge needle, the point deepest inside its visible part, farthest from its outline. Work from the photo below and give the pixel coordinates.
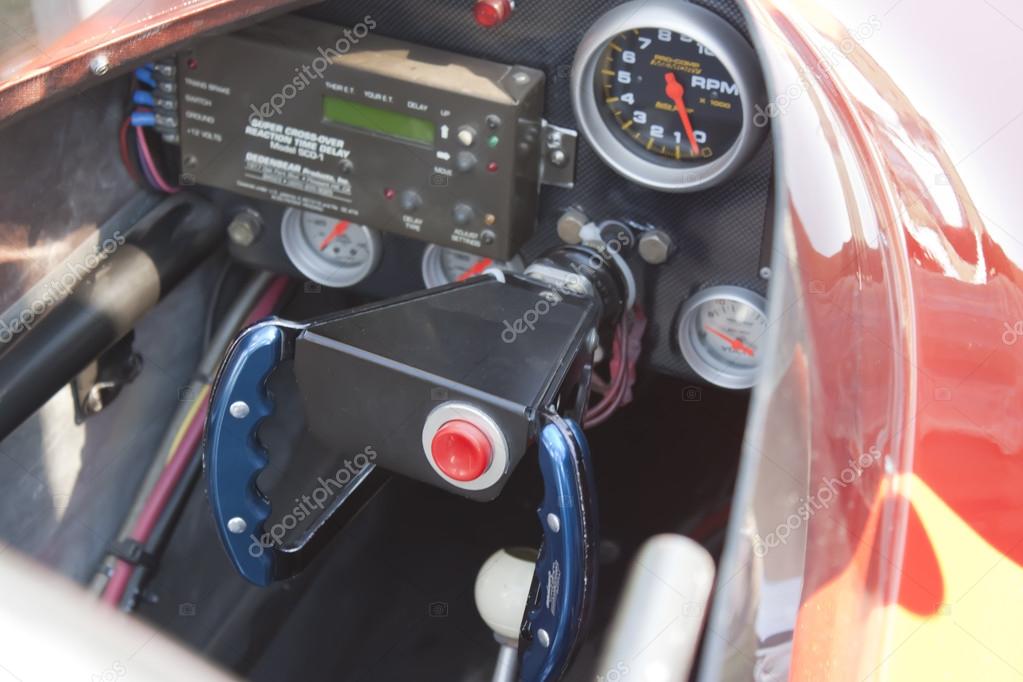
(476, 269)
(674, 90)
(338, 230)
(736, 343)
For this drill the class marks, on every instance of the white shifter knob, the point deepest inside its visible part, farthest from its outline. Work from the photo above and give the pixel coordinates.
(502, 587)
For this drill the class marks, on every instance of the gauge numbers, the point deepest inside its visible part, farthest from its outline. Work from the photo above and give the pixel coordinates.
(720, 334)
(666, 94)
(669, 96)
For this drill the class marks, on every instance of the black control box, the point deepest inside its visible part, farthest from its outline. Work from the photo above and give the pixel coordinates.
(341, 121)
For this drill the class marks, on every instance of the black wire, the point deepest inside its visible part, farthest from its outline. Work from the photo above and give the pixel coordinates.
(163, 528)
(211, 311)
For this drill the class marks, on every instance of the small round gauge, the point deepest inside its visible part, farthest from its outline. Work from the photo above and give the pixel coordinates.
(329, 251)
(444, 266)
(666, 92)
(720, 334)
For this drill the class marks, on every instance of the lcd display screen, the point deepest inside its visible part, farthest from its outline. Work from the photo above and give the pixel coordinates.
(377, 120)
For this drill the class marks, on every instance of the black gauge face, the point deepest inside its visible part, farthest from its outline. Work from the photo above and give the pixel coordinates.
(642, 78)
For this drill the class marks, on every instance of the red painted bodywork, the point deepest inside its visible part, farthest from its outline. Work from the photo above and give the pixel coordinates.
(897, 377)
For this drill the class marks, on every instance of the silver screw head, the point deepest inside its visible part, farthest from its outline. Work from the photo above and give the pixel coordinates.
(99, 65)
(543, 638)
(239, 409)
(237, 525)
(553, 522)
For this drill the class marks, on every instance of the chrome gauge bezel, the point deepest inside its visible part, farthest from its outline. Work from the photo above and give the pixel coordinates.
(728, 46)
(693, 352)
(319, 269)
(433, 268)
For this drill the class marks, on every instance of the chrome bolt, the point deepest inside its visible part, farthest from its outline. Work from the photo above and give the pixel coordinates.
(570, 225)
(237, 525)
(655, 246)
(245, 228)
(553, 522)
(239, 409)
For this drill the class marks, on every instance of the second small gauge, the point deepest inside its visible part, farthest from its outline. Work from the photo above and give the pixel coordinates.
(444, 266)
(719, 333)
(329, 251)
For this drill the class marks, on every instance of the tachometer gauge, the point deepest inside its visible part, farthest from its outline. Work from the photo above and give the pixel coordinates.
(329, 251)
(443, 266)
(666, 93)
(720, 333)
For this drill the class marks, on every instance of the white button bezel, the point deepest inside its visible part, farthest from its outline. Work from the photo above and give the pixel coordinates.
(452, 410)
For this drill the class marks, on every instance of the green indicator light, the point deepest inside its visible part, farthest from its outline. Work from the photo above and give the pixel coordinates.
(492, 141)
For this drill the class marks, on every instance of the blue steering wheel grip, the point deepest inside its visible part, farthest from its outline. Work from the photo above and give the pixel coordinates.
(564, 579)
(233, 457)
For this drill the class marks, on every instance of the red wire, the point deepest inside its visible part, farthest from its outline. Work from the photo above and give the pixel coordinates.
(133, 171)
(619, 382)
(158, 501)
(147, 160)
(172, 473)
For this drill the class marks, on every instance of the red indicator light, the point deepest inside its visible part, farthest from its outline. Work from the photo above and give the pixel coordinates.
(193, 63)
(491, 13)
(492, 166)
(390, 193)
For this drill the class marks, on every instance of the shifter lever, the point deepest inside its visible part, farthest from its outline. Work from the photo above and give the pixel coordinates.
(502, 587)
(564, 574)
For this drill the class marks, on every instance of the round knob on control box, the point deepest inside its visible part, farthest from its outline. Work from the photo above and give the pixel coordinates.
(463, 214)
(461, 450)
(410, 200)
(467, 135)
(465, 161)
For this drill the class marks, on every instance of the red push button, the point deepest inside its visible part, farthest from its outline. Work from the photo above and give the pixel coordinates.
(461, 450)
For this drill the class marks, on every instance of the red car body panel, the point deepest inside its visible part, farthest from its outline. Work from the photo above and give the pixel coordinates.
(892, 493)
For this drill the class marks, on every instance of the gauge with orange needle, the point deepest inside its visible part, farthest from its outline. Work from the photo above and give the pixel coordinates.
(330, 251)
(721, 332)
(444, 266)
(669, 94)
